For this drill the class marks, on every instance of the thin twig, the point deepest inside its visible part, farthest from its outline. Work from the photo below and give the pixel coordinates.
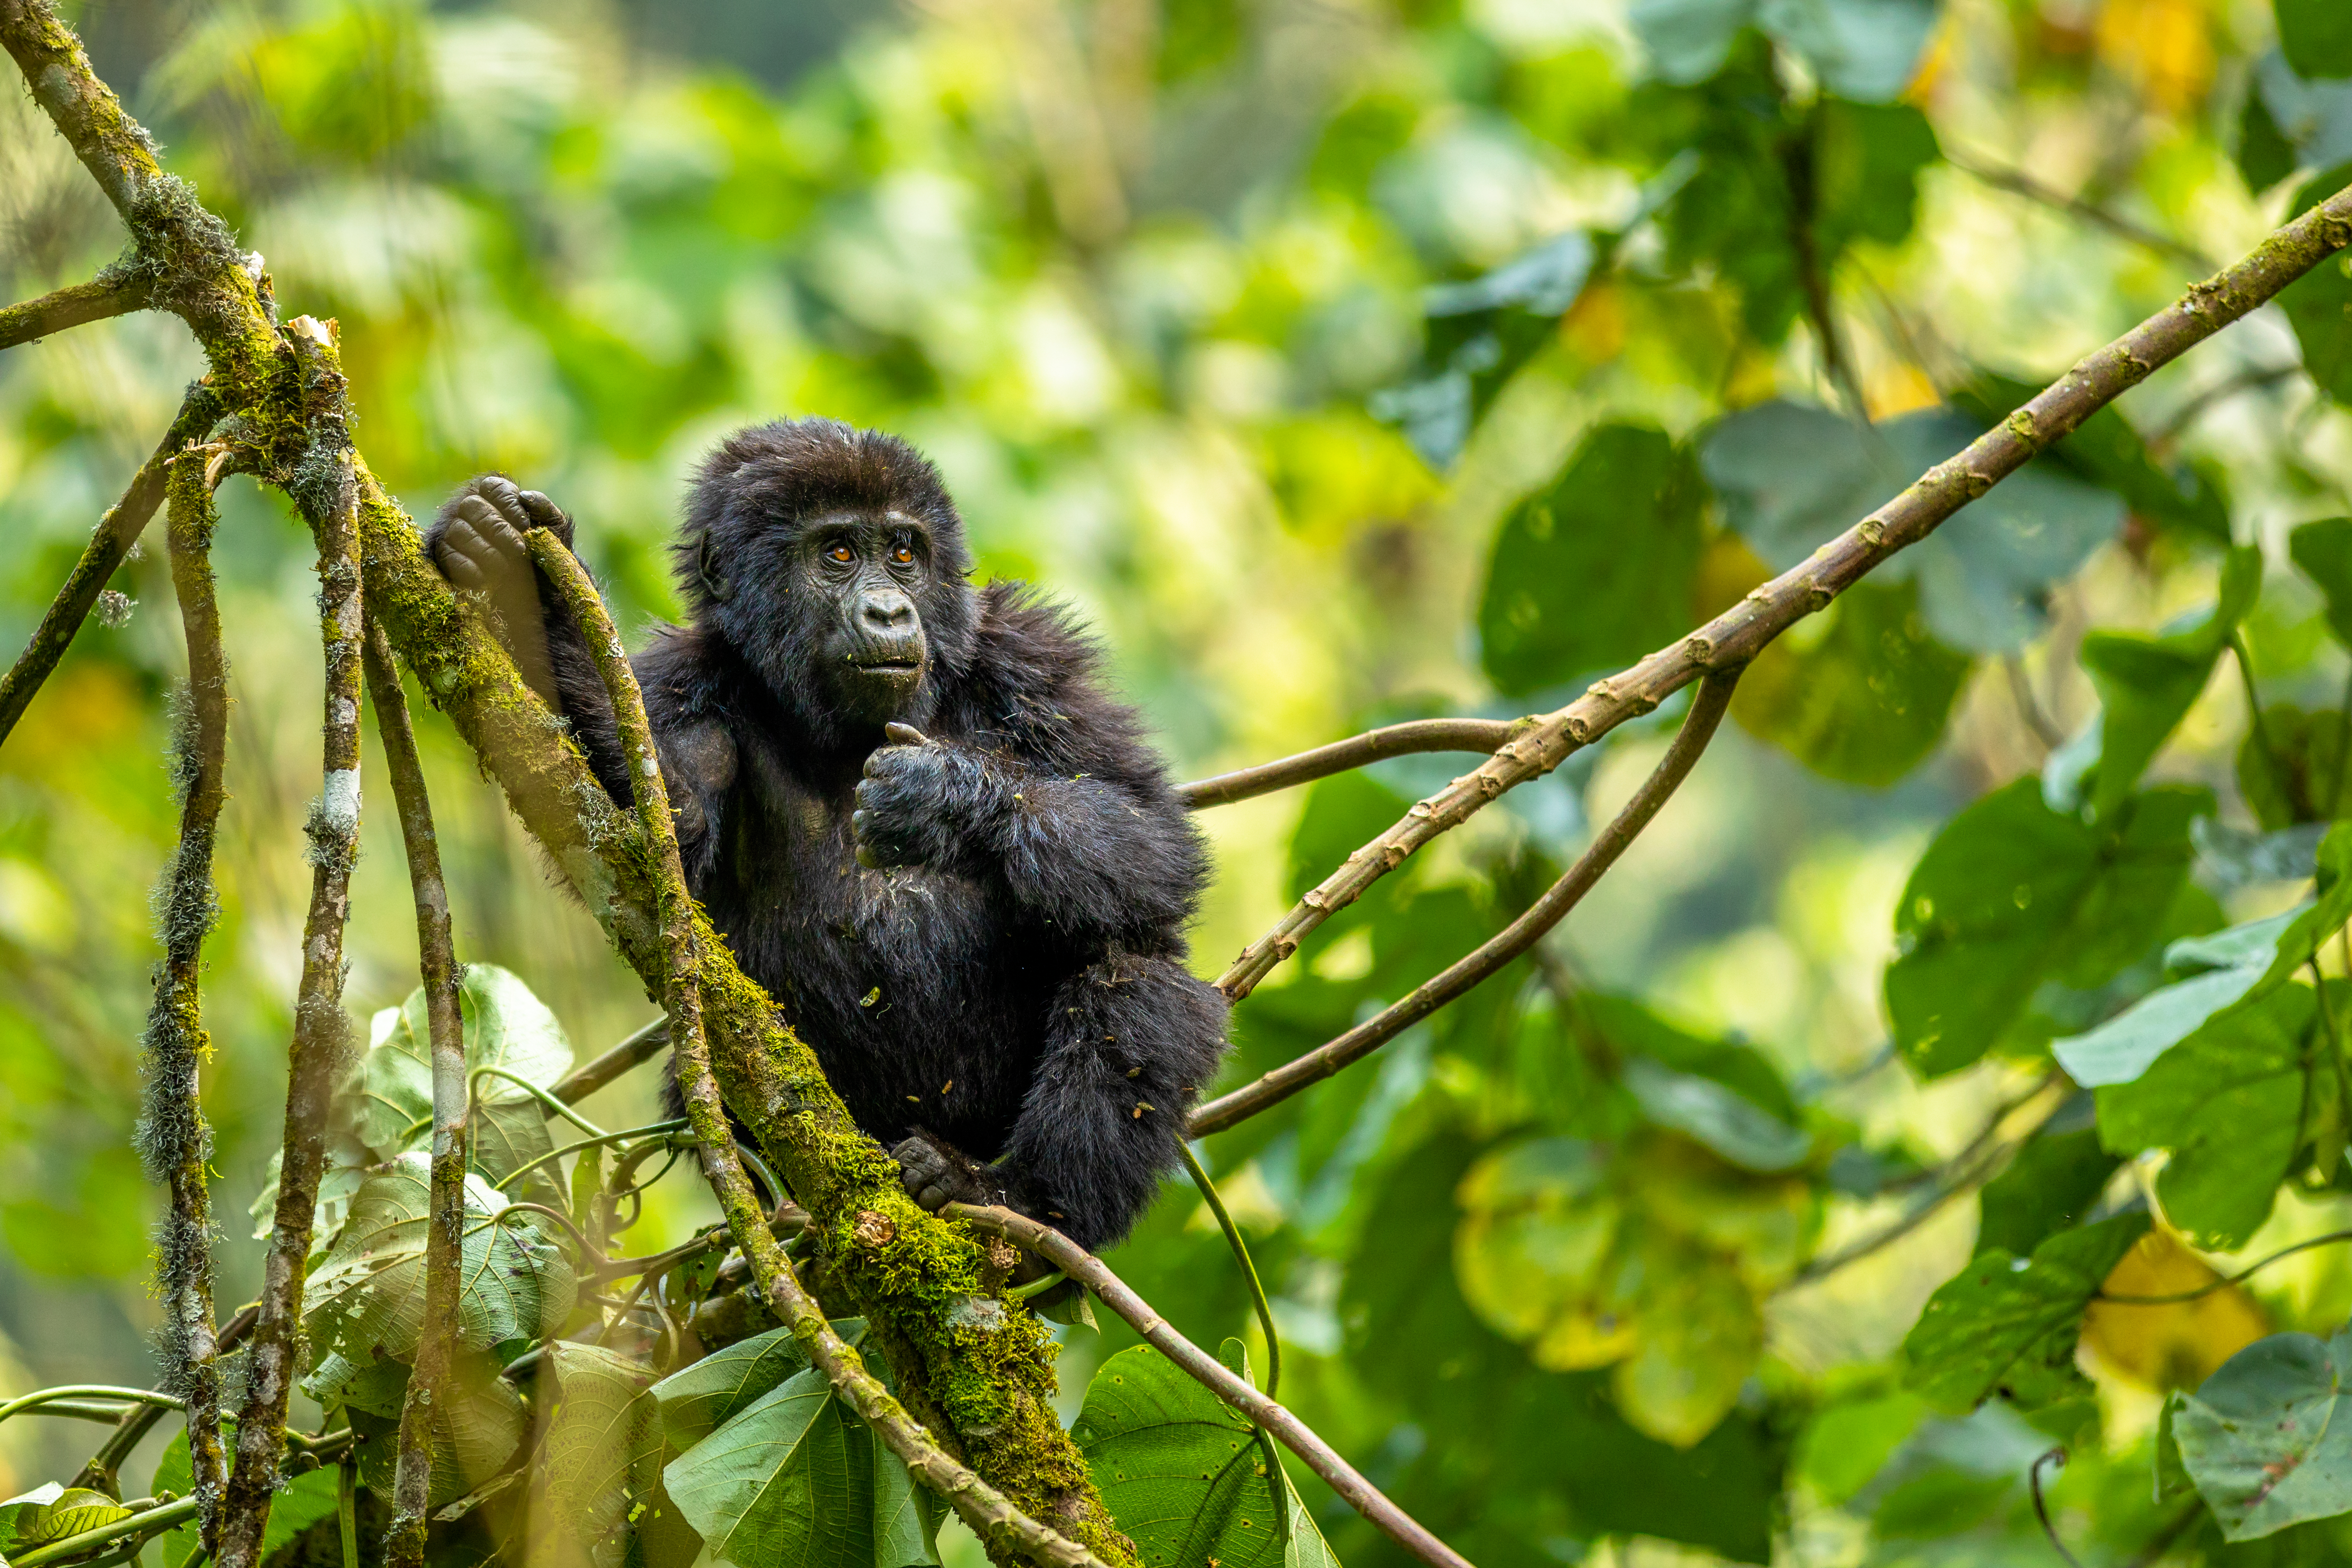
(587, 1078)
(649, 1130)
(444, 1232)
(109, 544)
(102, 1474)
(146, 1525)
(1390, 741)
(991, 1516)
(1249, 1269)
(1735, 635)
(75, 305)
(2028, 707)
(1212, 1374)
(174, 1137)
(319, 1033)
(2041, 1510)
(1697, 728)
(2020, 184)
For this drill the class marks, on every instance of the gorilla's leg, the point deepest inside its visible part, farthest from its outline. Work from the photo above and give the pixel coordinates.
(1130, 1043)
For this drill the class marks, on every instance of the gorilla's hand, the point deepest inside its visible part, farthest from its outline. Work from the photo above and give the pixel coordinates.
(478, 543)
(908, 803)
(936, 1174)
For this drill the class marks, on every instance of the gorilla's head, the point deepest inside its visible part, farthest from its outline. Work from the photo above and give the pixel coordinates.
(832, 561)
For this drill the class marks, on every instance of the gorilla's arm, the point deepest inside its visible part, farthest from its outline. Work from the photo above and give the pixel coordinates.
(1094, 859)
(477, 543)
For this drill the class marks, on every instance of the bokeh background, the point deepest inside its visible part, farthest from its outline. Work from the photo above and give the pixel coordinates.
(1149, 279)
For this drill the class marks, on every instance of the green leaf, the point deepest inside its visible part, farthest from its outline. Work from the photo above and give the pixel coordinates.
(2049, 1187)
(367, 1297)
(2006, 1325)
(1791, 477)
(600, 1457)
(1688, 40)
(505, 1026)
(1864, 50)
(2322, 551)
(797, 1478)
(2315, 37)
(1186, 1476)
(2105, 451)
(53, 1512)
(2319, 305)
(2011, 893)
(376, 1386)
(2268, 1439)
(2148, 684)
(1595, 571)
(476, 1429)
(1846, 1445)
(2231, 968)
(2228, 1101)
(1861, 694)
(696, 1400)
(1724, 1120)
(2291, 770)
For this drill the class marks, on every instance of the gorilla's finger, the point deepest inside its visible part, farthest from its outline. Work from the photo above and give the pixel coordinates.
(462, 572)
(905, 735)
(544, 513)
(505, 495)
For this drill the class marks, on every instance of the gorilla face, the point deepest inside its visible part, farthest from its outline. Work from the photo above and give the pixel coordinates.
(870, 574)
(833, 560)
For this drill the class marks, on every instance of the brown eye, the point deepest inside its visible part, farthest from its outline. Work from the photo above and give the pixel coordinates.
(839, 553)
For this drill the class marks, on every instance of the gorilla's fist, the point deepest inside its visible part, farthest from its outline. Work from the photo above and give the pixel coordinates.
(478, 543)
(910, 800)
(936, 1174)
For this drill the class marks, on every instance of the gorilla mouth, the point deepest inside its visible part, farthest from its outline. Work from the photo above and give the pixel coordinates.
(890, 666)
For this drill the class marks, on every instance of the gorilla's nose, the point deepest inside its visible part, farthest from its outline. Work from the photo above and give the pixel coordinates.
(890, 614)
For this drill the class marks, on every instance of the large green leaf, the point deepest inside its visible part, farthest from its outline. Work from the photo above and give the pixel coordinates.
(367, 1297)
(2323, 551)
(475, 1430)
(2229, 1103)
(2148, 684)
(2231, 968)
(797, 1477)
(1595, 571)
(2006, 1325)
(1863, 50)
(1189, 1479)
(2268, 1438)
(505, 1026)
(2317, 37)
(2049, 1187)
(600, 1457)
(1861, 694)
(2011, 893)
(695, 1400)
(1792, 476)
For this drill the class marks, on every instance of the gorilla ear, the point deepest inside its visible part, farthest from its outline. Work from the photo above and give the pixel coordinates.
(713, 583)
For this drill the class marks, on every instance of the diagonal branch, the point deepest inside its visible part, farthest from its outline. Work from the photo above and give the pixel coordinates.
(174, 1137)
(992, 1517)
(1699, 728)
(444, 1232)
(1339, 756)
(115, 534)
(318, 1024)
(1736, 635)
(1090, 1271)
(75, 305)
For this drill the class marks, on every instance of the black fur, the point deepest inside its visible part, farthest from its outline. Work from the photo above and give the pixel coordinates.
(1004, 972)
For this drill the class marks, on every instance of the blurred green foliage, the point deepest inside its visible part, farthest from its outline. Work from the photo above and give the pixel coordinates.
(1345, 363)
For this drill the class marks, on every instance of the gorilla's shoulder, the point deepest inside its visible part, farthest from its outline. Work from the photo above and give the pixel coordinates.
(1035, 685)
(685, 677)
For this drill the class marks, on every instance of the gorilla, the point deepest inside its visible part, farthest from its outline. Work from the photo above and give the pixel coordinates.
(912, 809)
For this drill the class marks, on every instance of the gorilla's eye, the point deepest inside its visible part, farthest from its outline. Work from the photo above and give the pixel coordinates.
(902, 553)
(841, 552)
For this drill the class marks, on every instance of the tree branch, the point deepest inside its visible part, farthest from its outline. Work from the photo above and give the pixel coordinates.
(587, 1078)
(1214, 1376)
(1697, 728)
(1735, 635)
(1339, 756)
(75, 305)
(444, 1231)
(174, 1139)
(100, 1473)
(319, 1023)
(109, 544)
(994, 1518)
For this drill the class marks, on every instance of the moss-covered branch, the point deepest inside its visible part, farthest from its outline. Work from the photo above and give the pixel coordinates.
(318, 1024)
(444, 1233)
(75, 305)
(109, 544)
(174, 1139)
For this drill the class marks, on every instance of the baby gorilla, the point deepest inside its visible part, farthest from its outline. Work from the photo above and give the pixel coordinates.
(913, 812)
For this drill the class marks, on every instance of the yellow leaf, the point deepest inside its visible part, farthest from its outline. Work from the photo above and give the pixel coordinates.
(2176, 1344)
